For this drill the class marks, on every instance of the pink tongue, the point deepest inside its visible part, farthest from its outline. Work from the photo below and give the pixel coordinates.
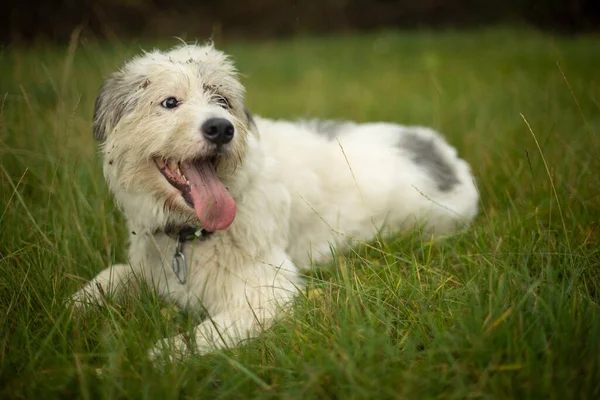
(214, 205)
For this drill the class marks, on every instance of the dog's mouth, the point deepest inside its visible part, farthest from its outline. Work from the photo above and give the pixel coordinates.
(201, 189)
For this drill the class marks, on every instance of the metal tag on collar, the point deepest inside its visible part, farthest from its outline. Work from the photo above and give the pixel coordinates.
(178, 264)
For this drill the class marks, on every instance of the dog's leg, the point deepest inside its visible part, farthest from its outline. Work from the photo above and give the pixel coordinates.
(243, 316)
(225, 330)
(107, 283)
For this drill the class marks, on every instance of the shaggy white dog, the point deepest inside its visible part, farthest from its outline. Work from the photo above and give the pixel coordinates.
(225, 210)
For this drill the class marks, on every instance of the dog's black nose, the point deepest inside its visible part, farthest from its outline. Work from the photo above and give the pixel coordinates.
(218, 130)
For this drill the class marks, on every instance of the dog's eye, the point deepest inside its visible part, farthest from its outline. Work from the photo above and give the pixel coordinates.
(169, 102)
(222, 101)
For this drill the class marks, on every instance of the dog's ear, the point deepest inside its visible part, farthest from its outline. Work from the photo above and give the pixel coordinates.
(250, 119)
(117, 96)
(248, 115)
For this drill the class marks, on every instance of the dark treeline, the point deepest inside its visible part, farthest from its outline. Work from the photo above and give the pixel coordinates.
(56, 20)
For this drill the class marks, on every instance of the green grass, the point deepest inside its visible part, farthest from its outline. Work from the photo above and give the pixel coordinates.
(509, 309)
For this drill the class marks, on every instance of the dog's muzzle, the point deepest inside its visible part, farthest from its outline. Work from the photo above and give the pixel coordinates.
(202, 190)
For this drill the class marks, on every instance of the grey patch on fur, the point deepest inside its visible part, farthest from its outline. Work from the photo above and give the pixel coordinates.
(427, 155)
(328, 128)
(114, 101)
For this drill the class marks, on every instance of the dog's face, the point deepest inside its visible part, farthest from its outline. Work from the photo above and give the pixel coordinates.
(173, 129)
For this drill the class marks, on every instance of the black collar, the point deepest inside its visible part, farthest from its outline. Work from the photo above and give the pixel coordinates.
(186, 233)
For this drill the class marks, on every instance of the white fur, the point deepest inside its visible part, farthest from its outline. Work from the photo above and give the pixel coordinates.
(296, 190)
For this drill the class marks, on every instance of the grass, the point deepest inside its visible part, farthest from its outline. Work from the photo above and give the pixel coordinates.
(509, 309)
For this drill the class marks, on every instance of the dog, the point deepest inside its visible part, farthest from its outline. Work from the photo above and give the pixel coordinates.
(226, 210)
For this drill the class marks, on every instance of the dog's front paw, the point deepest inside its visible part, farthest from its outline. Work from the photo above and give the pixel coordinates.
(108, 283)
(170, 350)
(86, 297)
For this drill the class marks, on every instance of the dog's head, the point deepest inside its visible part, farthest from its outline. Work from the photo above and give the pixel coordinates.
(173, 128)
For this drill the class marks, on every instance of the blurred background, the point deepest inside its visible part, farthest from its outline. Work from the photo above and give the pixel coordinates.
(28, 21)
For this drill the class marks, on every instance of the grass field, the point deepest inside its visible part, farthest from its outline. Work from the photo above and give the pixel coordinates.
(509, 309)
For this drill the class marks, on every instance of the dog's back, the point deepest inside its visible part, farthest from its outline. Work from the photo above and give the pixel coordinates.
(349, 181)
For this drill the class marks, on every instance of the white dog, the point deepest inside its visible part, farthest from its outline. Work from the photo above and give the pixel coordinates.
(224, 210)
